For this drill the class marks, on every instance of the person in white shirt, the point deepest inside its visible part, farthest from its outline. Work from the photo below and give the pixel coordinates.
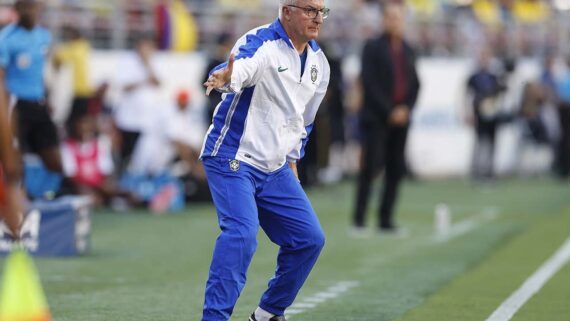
(274, 82)
(186, 131)
(139, 85)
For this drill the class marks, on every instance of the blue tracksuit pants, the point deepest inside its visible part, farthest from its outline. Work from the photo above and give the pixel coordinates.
(246, 198)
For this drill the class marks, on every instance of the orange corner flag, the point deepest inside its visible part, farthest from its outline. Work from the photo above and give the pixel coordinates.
(22, 297)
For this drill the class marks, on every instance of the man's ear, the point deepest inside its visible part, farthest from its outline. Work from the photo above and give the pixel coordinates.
(286, 13)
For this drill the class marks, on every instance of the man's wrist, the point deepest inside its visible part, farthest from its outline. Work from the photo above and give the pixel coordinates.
(226, 89)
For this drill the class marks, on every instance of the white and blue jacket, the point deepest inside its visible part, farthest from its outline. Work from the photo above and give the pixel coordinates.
(267, 115)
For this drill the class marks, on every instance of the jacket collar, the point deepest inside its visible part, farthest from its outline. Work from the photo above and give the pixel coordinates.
(278, 27)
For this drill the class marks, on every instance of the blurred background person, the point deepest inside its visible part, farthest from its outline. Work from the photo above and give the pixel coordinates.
(534, 145)
(88, 161)
(185, 131)
(75, 53)
(550, 115)
(563, 91)
(139, 85)
(484, 87)
(218, 56)
(391, 85)
(24, 47)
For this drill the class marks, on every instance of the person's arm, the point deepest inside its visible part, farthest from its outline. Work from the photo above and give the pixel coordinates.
(243, 68)
(415, 84)
(371, 79)
(11, 205)
(400, 114)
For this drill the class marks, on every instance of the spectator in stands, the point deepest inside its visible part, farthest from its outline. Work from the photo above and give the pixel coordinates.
(75, 53)
(139, 84)
(484, 88)
(23, 51)
(531, 109)
(534, 147)
(88, 161)
(391, 86)
(550, 114)
(563, 91)
(150, 174)
(186, 131)
(224, 45)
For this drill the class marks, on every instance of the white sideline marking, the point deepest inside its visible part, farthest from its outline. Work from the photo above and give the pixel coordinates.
(532, 285)
(468, 225)
(320, 297)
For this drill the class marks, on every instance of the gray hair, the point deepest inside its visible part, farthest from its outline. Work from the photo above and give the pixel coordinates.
(283, 3)
(286, 2)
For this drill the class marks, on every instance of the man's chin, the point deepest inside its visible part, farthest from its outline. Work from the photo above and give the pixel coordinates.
(313, 34)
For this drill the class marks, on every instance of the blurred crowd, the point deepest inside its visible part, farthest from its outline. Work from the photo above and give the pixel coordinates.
(437, 27)
(134, 153)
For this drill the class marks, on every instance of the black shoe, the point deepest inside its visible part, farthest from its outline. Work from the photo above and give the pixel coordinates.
(394, 231)
(275, 318)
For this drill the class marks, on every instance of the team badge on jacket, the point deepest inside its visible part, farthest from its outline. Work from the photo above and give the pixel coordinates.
(234, 165)
(314, 73)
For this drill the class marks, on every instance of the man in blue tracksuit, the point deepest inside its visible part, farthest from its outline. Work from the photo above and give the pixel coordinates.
(274, 82)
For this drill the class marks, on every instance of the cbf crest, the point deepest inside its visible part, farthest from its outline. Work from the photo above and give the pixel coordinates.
(314, 73)
(234, 165)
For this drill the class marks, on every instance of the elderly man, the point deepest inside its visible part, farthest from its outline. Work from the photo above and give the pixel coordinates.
(274, 82)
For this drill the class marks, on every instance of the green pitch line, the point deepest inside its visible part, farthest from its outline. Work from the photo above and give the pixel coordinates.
(474, 296)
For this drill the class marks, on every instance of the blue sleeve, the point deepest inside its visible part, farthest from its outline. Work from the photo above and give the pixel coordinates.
(218, 67)
(4, 52)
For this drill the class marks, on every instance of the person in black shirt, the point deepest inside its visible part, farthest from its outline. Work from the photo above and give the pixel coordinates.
(224, 45)
(391, 85)
(485, 87)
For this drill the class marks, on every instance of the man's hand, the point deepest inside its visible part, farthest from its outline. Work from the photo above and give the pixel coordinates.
(221, 77)
(400, 116)
(293, 167)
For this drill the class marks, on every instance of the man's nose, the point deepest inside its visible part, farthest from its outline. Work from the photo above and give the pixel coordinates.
(319, 18)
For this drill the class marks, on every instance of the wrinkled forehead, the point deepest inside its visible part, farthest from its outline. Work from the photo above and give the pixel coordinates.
(311, 3)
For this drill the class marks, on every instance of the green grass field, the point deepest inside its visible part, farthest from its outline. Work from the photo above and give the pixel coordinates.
(145, 267)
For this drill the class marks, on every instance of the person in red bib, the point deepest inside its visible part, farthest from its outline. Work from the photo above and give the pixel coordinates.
(88, 162)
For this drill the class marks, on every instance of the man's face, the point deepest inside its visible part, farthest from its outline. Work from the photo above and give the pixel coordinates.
(304, 26)
(394, 20)
(145, 48)
(28, 13)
